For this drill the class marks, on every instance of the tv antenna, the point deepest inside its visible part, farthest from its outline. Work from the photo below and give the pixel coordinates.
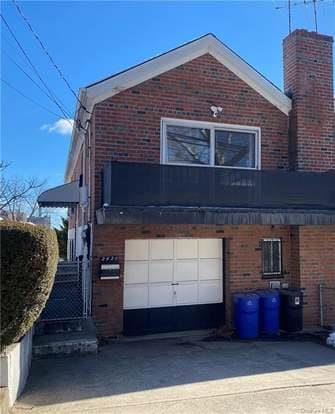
(291, 4)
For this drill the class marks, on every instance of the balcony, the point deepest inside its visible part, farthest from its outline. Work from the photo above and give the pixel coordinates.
(144, 193)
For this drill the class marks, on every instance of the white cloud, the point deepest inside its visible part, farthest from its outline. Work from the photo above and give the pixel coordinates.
(62, 126)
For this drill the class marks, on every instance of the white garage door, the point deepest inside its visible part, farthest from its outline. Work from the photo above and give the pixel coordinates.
(172, 272)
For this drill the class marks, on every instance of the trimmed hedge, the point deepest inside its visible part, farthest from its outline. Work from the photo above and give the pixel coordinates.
(29, 257)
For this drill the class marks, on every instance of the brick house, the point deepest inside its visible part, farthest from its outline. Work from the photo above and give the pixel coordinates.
(199, 178)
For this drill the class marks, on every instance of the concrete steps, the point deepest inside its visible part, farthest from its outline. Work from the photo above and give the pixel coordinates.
(69, 338)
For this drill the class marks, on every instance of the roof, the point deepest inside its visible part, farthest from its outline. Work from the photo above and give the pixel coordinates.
(209, 43)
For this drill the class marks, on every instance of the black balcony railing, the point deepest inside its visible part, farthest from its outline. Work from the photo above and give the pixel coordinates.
(143, 184)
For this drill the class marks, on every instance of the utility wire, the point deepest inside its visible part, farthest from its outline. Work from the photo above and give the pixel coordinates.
(27, 74)
(18, 8)
(56, 101)
(32, 100)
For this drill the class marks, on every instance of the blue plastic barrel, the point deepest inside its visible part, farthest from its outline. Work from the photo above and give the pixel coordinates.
(246, 310)
(269, 307)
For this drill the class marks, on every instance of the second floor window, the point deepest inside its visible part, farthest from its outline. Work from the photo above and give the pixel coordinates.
(188, 145)
(210, 144)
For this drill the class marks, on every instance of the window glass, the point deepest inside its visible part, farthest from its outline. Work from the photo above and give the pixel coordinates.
(267, 257)
(271, 257)
(188, 145)
(235, 149)
(276, 257)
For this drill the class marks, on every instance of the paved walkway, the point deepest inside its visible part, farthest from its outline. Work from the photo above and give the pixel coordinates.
(185, 376)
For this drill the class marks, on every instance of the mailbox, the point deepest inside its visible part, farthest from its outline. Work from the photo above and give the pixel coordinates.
(109, 267)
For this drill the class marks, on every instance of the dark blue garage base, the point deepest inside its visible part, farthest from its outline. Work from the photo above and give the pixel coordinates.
(169, 319)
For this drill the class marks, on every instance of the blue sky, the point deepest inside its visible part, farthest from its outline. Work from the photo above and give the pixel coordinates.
(91, 40)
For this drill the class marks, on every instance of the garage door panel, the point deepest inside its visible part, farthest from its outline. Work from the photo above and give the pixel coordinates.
(210, 248)
(186, 248)
(210, 269)
(210, 291)
(186, 270)
(136, 296)
(160, 295)
(187, 293)
(136, 272)
(161, 271)
(161, 249)
(137, 250)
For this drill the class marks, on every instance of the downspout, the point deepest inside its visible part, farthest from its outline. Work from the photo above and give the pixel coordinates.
(89, 221)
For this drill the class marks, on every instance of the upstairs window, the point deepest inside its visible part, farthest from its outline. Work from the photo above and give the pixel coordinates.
(235, 149)
(187, 145)
(210, 144)
(272, 257)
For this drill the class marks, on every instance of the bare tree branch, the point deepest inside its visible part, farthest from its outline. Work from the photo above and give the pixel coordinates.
(18, 195)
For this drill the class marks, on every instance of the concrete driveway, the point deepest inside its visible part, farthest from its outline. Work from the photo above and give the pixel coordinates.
(186, 376)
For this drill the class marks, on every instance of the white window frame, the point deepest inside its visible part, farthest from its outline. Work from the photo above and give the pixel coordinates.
(279, 273)
(212, 126)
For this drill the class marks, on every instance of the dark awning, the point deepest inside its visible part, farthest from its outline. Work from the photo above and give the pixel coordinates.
(209, 216)
(66, 195)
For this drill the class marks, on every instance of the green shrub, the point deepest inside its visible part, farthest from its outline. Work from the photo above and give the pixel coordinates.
(29, 256)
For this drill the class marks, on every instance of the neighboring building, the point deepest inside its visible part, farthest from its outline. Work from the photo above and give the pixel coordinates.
(200, 179)
(13, 215)
(22, 217)
(41, 221)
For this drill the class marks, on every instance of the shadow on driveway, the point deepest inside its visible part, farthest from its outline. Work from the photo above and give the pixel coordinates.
(126, 374)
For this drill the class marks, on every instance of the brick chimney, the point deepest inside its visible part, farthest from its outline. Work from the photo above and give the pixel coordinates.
(308, 80)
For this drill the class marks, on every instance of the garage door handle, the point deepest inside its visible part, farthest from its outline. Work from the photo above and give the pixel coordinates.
(174, 284)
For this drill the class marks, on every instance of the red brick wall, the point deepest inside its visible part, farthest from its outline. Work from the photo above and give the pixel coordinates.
(308, 75)
(243, 263)
(127, 126)
(317, 264)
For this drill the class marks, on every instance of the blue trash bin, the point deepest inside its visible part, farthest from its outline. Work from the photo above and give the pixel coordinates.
(269, 308)
(246, 309)
(237, 312)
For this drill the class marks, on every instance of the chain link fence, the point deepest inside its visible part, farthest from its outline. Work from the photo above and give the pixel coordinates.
(327, 306)
(69, 296)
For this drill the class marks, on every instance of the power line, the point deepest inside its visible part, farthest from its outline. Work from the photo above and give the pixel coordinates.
(56, 101)
(18, 8)
(33, 101)
(27, 74)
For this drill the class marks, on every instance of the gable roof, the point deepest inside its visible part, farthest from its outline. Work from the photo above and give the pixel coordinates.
(108, 87)
(112, 85)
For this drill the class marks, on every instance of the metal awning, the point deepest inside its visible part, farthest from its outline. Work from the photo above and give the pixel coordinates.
(66, 195)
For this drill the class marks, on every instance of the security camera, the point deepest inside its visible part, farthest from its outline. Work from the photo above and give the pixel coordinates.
(216, 110)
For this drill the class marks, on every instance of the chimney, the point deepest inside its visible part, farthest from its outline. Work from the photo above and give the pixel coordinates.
(308, 80)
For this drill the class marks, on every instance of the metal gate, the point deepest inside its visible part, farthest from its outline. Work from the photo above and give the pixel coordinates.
(69, 297)
(327, 305)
